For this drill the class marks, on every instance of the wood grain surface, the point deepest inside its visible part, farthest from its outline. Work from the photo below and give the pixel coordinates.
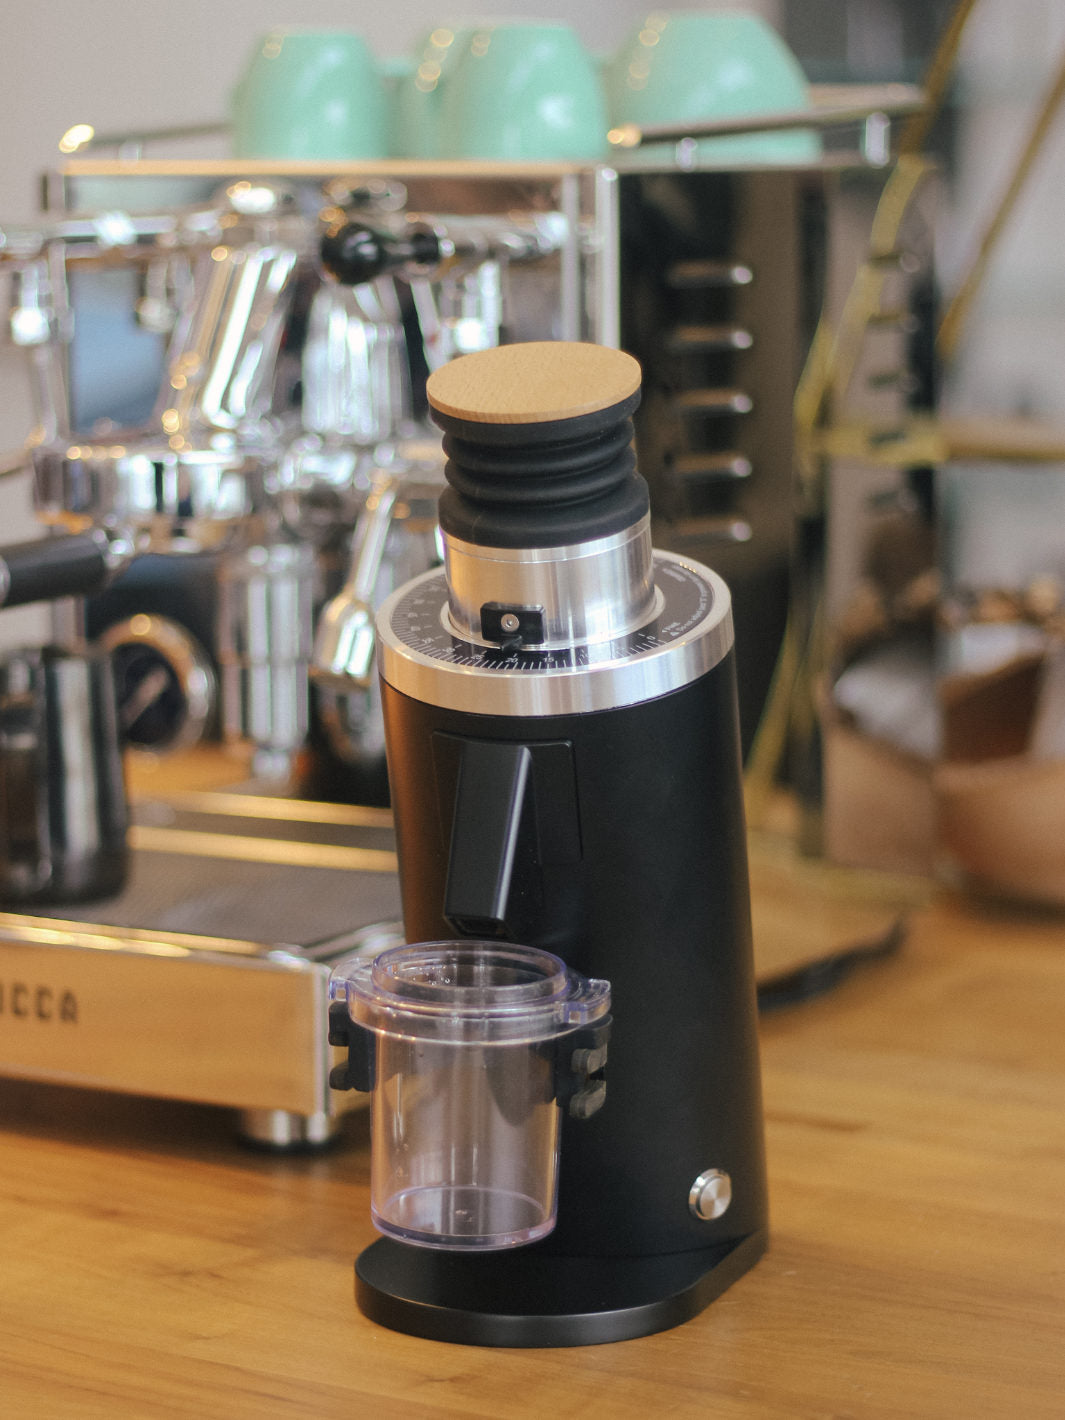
(152, 1266)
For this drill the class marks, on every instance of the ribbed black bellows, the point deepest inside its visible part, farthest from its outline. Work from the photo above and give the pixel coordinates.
(548, 484)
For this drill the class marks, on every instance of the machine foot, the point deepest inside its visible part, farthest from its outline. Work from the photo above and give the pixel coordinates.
(283, 1132)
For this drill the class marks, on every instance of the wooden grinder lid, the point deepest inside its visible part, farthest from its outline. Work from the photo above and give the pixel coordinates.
(536, 382)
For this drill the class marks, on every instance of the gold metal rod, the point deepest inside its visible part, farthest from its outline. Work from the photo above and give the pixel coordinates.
(915, 134)
(950, 327)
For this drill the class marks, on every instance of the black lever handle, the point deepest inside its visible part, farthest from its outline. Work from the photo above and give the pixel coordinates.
(69, 565)
(490, 804)
(354, 253)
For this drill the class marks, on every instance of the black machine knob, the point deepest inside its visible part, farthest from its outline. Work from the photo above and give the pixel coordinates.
(355, 253)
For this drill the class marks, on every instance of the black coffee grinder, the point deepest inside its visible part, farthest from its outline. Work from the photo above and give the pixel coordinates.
(563, 750)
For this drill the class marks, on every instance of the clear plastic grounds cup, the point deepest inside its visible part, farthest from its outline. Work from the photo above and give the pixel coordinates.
(472, 1050)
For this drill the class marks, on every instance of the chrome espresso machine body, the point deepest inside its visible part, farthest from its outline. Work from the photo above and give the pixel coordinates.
(222, 513)
(713, 279)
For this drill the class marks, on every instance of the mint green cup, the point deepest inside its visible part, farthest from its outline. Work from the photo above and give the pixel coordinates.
(523, 91)
(418, 96)
(395, 74)
(697, 64)
(309, 93)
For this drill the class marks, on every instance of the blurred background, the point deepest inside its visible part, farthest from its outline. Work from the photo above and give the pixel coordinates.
(121, 65)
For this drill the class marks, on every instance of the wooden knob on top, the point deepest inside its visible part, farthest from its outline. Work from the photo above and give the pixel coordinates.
(536, 382)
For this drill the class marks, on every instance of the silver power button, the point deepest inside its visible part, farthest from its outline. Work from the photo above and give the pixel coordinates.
(710, 1195)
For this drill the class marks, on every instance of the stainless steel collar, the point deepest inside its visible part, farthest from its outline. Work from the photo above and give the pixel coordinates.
(587, 592)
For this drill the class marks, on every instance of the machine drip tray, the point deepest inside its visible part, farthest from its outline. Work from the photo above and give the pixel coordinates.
(206, 978)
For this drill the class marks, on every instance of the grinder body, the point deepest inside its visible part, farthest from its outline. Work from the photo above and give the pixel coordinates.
(562, 737)
(633, 869)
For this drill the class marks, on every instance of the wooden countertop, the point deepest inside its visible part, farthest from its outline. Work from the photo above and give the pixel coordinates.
(154, 1267)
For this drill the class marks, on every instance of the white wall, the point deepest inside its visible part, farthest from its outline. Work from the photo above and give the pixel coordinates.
(1012, 359)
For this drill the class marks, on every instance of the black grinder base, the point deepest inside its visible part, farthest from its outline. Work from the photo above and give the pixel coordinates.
(565, 1301)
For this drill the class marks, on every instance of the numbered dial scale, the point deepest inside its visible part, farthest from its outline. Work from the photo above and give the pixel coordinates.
(422, 656)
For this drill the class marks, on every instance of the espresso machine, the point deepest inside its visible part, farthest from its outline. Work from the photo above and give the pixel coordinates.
(270, 469)
(563, 743)
(712, 278)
